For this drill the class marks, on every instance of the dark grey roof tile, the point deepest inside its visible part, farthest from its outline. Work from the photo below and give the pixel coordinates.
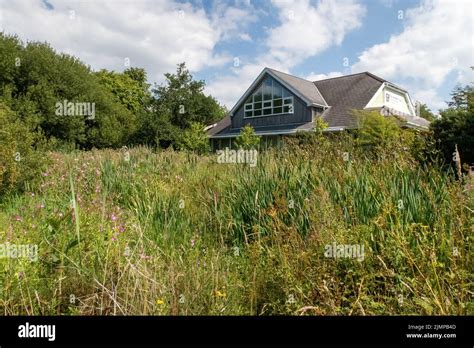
(306, 88)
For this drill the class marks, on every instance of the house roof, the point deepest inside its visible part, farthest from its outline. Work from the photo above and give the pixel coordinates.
(220, 126)
(306, 88)
(339, 96)
(345, 93)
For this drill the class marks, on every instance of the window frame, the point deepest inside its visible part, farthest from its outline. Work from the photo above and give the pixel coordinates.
(272, 106)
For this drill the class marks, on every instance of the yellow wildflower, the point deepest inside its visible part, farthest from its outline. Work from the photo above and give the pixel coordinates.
(220, 294)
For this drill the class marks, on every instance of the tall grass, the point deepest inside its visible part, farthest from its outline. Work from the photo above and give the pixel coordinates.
(168, 233)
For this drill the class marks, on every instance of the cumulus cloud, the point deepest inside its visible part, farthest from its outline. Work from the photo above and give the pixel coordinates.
(155, 35)
(436, 42)
(304, 30)
(307, 29)
(230, 87)
(231, 21)
(315, 77)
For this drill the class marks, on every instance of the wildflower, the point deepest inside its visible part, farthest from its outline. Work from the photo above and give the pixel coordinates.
(18, 218)
(220, 294)
(32, 194)
(160, 302)
(45, 174)
(192, 242)
(113, 217)
(272, 213)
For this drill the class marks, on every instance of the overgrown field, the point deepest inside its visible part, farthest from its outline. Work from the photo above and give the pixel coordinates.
(145, 232)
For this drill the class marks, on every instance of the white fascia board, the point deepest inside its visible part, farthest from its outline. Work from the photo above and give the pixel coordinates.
(209, 127)
(414, 125)
(394, 86)
(334, 129)
(407, 96)
(411, 105)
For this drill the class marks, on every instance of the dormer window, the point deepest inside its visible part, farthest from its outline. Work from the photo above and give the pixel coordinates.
(270, 98)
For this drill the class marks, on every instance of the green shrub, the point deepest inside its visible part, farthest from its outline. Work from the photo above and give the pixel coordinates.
(194, 139)
(376, 131)
(20, 164)
(247, 138)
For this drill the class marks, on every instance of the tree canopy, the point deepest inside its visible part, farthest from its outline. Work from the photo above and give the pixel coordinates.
(456, 126)
(35, 79)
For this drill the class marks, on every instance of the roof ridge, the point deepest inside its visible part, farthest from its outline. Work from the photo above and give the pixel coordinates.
(360, 73)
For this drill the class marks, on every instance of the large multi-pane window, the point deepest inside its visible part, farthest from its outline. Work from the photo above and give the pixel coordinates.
(270, 98)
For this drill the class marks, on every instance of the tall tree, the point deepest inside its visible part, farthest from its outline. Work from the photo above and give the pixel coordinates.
(456, 126)
(37, 78)
(181, 101)
(426, 113)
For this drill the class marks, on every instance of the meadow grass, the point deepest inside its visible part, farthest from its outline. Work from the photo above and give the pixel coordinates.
(172, 233)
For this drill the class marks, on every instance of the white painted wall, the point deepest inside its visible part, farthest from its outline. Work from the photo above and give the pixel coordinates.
(391, 98)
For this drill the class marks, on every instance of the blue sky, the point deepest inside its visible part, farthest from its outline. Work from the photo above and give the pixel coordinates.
(425, 46)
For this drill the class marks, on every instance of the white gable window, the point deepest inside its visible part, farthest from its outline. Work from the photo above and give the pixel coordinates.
(269, 98)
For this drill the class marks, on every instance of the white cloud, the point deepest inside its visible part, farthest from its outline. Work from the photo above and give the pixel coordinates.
(155, 35)
(231, 22)
(315, 77)
(305, 30)
(228, 88)
(431, 95)
(245, 37)
(436, 41)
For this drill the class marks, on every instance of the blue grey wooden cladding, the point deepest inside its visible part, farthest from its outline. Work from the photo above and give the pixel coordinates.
(301, 114)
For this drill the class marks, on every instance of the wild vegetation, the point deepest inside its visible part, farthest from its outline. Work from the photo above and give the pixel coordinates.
(124, 223)
(144, 232)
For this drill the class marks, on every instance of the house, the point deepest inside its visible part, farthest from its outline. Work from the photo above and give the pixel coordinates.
(278, 104)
